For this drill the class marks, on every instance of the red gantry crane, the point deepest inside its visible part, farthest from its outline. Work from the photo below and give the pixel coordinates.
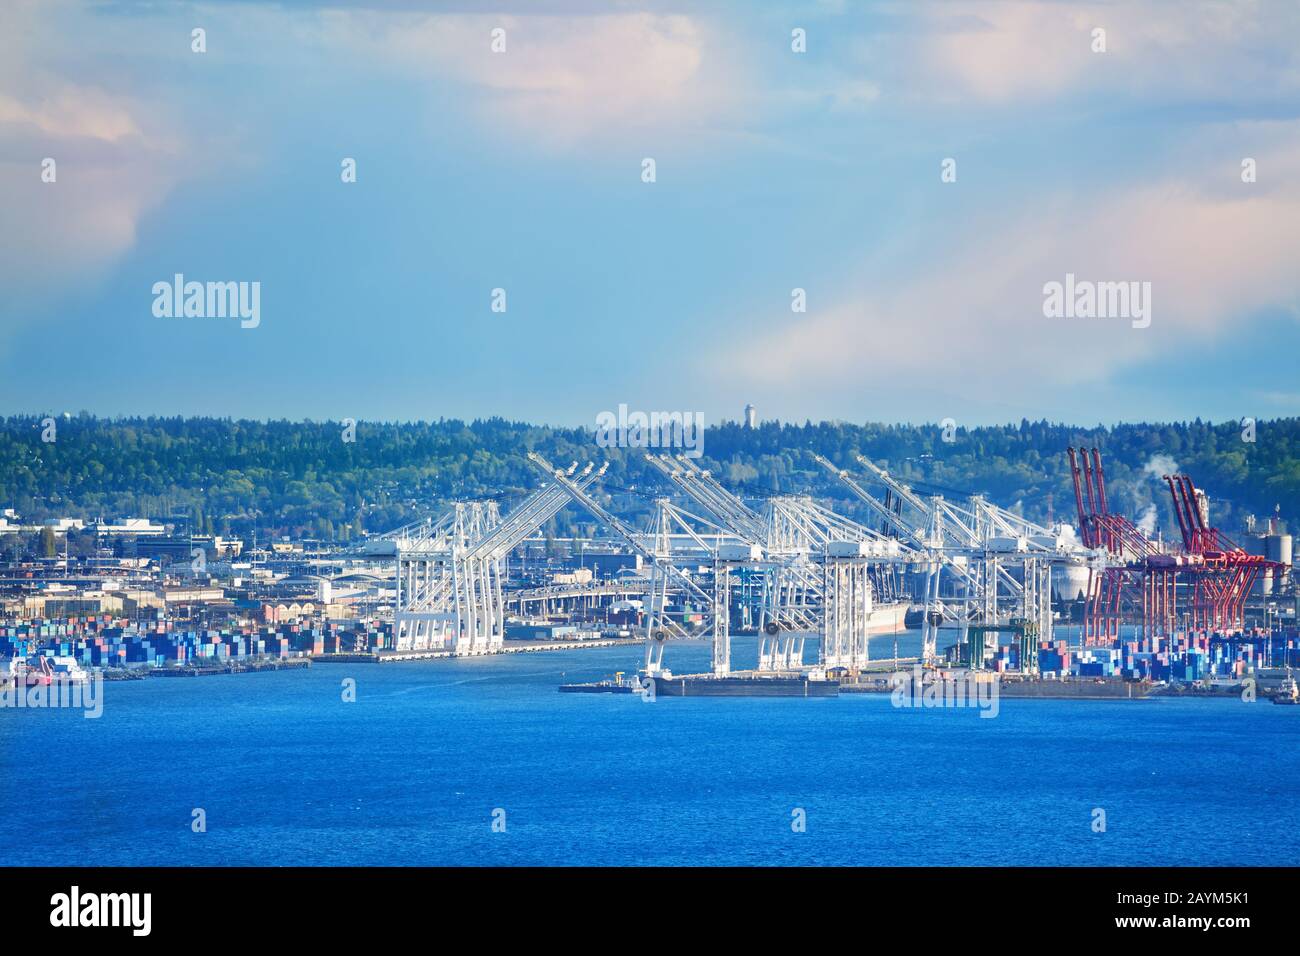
(1140, 581)
(1225, 573)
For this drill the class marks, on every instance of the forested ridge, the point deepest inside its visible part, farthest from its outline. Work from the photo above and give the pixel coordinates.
(305, 478)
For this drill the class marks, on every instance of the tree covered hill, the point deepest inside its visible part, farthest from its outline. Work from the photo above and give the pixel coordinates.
(304, 477)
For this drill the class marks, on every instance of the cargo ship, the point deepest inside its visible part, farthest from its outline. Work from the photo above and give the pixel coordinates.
(749, 685)
(914, 617)
(1096, 688)
(1069, 689)
(885, 618)
(914, 620)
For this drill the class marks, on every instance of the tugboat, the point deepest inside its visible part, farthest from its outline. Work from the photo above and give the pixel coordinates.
(36, 672)
(66, 670)
(620, 684)
(42, 671)
(1288, 692)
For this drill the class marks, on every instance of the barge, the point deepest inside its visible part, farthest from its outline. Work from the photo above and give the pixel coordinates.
(707, 685)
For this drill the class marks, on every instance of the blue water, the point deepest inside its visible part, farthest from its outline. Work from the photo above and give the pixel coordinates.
(411, 772)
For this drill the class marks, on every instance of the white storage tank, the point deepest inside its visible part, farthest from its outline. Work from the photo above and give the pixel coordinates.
(1278, 547)
(1069, 581)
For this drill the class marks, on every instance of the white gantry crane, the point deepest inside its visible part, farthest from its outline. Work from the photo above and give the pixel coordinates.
(986, 568)
(450, 570)
(672, 538)
(815, 568)
(977, 544)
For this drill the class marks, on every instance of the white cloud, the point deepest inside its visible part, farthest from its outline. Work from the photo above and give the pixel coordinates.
(973, 318)
(71, 111)
(1001, 52)
(561, 79)
(112, 164)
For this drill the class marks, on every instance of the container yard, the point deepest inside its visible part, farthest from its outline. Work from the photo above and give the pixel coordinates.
(116, 643)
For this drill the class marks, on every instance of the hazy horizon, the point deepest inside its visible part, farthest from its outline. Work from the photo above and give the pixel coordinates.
(470, 419)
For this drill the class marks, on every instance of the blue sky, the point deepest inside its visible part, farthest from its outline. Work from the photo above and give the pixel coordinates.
(775, 170)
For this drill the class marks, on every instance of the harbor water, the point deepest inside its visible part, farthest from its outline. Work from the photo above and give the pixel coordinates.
(283, 770)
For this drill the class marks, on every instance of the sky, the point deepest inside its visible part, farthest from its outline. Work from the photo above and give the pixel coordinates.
(775, 170)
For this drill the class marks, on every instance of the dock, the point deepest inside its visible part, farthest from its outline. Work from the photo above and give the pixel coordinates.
(234, 667)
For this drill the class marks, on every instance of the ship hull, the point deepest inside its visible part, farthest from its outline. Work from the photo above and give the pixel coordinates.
(603, 687)
(1078, 689)
(705, 686)
(886, 618)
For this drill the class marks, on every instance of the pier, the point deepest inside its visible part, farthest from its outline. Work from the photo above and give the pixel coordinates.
(514, 647)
